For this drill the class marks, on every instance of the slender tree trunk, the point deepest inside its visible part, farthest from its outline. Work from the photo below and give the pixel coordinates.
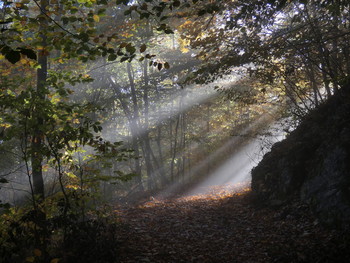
(171, 140)
(161, 167)
(183, 125)
(311, 75)
(136, 125)
(137, 166)
(174, 153)
(182, 135)
(133, 128)
(326, 83)
(37, 137)
(145, 137)
(208, 131)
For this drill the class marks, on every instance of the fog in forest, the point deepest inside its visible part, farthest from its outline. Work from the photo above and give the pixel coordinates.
(114, 112)
(141, 109)
(186, 111)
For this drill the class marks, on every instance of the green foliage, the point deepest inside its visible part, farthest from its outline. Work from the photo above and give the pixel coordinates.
(67, 238)
(75, 33)
(45, 122)
(290, 48)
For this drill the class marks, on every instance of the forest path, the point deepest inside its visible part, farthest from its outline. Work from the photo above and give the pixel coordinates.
(222, 226)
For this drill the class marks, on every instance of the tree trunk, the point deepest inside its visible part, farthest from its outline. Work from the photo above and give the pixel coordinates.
(133, 128)
(161, 167)
(174, 150)
(208, 131)
(37, 137)
(184, 151)
(145, 137)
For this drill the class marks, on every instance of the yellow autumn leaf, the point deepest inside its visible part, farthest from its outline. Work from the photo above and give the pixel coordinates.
(96, 18)
(30, 259)
(55, 260)
(23, 61)
(5, 125)
(37, 252)
(71, 175)
(71, 186)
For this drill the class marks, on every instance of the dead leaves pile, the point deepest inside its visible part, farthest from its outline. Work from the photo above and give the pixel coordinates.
(224, 226)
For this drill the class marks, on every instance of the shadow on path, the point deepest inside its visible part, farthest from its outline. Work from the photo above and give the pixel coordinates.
(224, 226)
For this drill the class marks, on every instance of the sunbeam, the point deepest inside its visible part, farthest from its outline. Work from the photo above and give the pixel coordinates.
(216, 169)
(234, 170)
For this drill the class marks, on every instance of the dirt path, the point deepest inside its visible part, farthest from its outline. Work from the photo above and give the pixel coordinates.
(224, 227)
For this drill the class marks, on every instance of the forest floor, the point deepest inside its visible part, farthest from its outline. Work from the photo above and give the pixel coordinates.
(225, 226)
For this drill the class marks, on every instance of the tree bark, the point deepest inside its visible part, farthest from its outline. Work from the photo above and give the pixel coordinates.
(145, 136)
(37, 137)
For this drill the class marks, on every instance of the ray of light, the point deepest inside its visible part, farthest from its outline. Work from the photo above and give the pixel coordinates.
(181, 101)
(235, 169)
(184, 101)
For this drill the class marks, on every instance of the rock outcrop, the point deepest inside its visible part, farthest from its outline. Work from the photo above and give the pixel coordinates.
(312, 163)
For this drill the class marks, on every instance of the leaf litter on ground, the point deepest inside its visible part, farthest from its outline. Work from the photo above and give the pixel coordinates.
(224, 225)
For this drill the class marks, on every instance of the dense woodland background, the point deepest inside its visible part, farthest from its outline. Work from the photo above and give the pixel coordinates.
(111, 102)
